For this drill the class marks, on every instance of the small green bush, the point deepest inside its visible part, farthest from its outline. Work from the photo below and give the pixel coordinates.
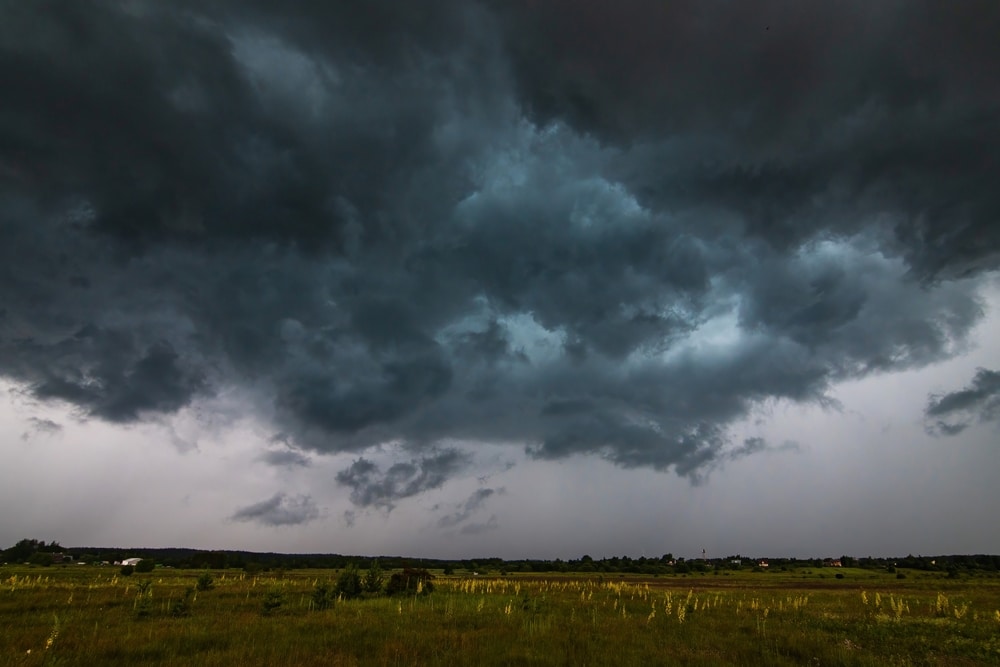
(374, 579)
(272, 602)
(322, 596)
(349, 583)
(143, 606)
(205, 582)
(182, 607)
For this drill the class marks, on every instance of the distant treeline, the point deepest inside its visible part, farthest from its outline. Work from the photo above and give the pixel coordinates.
(25, 550)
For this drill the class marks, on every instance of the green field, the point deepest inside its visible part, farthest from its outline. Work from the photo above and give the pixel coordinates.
(89, 615)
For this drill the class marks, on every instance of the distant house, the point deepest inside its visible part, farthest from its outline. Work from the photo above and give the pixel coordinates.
(61, 558)
(129, 561)
(763, 563)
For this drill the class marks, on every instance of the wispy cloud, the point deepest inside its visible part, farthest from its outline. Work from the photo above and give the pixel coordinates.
(41, 427)
(279, 510)
(472, 505)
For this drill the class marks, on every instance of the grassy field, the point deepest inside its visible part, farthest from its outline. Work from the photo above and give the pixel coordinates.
(87, 615)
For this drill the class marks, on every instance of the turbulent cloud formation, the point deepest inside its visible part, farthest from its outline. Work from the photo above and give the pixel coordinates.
(981, 399)
(607, 229)
(279, 510)
(370, 486)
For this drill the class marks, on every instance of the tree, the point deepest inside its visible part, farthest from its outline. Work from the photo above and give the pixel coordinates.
(41, 558)
(23, 550)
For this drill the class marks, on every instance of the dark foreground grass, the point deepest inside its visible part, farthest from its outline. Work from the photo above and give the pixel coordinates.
(83, 615)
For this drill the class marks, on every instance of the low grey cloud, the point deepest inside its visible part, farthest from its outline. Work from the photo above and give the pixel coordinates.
(604, 229)
(279, 510)
(372, 487)
(478, 528)
(951, 413)
(757, 445)
(285, 458)
(472, 505)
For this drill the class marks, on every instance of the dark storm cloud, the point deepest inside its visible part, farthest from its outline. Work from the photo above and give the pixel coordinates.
(789, 113)
(371, 486)
(585, 228)
(279, 510)
(980, 400)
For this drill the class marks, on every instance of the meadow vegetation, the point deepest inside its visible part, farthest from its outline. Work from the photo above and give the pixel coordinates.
(91, 615)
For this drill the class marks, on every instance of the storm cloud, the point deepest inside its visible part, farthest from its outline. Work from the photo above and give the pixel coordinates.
(371, 486)
(595, 229)
(979, 401)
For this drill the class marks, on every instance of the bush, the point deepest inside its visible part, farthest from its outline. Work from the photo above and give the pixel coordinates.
(349, 583)
(374, 579)
(322, 597)
(182, 607)
(145, 565)
(205, 582)
(272, 602)
(144, 599)
(839, 575)
(410, 581)
(127, 570)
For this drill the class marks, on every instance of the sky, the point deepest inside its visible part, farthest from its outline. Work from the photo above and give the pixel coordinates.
(528, 279)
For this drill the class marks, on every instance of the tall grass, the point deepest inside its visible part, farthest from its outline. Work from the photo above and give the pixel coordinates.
(91, 616)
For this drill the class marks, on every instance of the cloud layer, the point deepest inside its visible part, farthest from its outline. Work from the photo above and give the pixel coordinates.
(593, 229)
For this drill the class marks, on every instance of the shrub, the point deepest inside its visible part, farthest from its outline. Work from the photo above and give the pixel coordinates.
(145, 565)
(144, 600)
(839, 575)
(272, 602)
(127, 570)
(182, 607)
(374, 579)
(205, 582)
(349, 583)
(410, 581)
(322, 596)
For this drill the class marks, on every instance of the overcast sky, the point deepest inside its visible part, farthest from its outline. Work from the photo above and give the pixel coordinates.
(518, 278)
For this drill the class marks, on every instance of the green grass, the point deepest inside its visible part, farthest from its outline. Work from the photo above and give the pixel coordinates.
(84, 615)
